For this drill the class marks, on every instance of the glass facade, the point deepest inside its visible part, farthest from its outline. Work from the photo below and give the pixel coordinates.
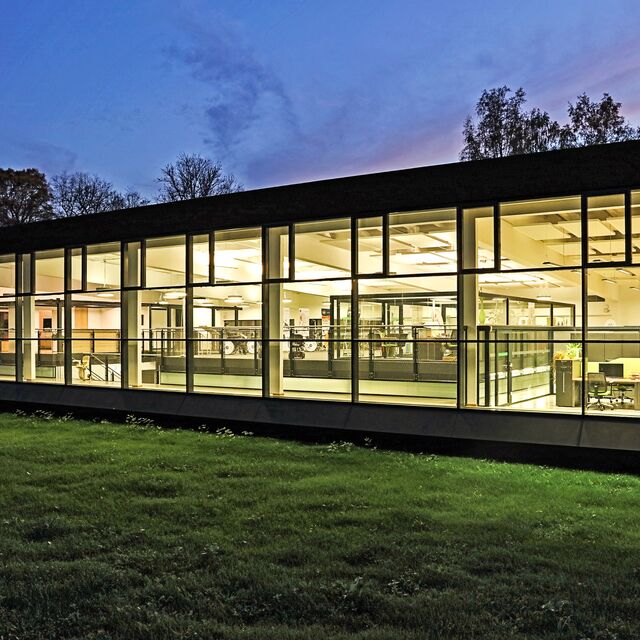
(524, 305)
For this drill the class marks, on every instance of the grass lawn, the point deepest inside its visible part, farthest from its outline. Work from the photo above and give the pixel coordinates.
(129, 531)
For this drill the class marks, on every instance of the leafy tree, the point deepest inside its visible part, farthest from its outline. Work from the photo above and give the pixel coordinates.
(500, 127)
(80, 194)
(598, 122)
(192, 176)
(24, 196)
(503, 128)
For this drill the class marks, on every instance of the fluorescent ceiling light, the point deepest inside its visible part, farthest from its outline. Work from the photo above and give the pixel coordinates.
(286, 299)
(625, 271)
(104, 294)
(543, 297)
(174, 295)
(608, 280)
(234, 299)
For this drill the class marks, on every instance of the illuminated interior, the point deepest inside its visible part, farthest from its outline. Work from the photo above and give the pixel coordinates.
(404, 307)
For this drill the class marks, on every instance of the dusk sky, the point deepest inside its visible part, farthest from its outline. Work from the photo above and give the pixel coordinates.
(290, 90)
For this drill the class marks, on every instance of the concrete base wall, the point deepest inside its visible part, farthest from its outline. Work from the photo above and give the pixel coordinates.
(592, 432)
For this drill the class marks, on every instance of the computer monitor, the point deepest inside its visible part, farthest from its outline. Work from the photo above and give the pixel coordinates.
(612, 369)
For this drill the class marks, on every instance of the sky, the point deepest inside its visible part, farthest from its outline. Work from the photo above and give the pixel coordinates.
(284, 91)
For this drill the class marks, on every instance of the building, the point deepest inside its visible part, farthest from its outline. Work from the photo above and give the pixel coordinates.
(494, 300)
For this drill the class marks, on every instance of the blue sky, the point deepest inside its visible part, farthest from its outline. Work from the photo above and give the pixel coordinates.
(288, 90)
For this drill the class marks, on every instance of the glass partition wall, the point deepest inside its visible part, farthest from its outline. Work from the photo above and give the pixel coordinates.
(521, 306)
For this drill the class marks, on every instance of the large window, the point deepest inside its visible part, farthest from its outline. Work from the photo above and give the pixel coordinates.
(369, 309)
(227, 339)
(95, 339)
(7, 275)
(422, 242)
(310, 340)
(323, 249)
(103, 268)
(7, 318)
(540, 233)
(606, 228)
(165, 262)
(49, 271)
(478, 238)
(407, 340)
(238, 255)
(370, 247)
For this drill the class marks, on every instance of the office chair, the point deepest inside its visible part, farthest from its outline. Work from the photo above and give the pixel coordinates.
(599, 388)
(621, 389)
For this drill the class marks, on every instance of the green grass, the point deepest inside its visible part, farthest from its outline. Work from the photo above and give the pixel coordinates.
(129, 531)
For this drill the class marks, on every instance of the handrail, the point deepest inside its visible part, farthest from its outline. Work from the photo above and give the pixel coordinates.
(115, 375)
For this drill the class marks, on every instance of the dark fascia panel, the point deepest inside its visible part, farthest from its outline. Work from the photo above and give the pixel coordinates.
(554, 173)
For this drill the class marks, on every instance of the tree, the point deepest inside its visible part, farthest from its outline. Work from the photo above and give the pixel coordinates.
(128, 199)
(24, 196)
(192, 176)
(598, 122)
(80, 194)
(503, 128)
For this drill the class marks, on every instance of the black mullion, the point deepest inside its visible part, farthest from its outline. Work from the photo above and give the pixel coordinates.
(67, 316)
(32, 272)
(355, 247)
(188, 260)
(497, 241)
(292, 252)
(628, 230)
(385, 245)
(354, 341)
(189, 346)
(212, 254)
(264, 342)
(142, 276)
(188, 310)
(83, 269)
(461, 345)
(19, 329)
(266, 358)
(124, 331)
(355, 320)
(584, 230)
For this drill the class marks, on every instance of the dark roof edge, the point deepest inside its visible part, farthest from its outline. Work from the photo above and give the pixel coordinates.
(551, 173)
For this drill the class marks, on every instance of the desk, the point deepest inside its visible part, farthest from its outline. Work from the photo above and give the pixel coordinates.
(634, 383)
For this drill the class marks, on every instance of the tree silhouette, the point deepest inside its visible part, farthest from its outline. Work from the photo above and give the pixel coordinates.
(192, 176)
(24, 197)
(502, 127)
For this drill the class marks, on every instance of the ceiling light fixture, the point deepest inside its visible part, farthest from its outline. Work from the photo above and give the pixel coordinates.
(608, 280)
(543, 298)
(234, 299)
(625, 271)
(174, 295)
